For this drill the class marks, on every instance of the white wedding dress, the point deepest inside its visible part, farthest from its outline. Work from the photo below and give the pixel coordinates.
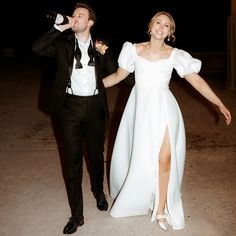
(150, 109)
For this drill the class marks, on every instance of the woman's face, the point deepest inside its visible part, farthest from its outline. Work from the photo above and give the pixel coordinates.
(161, 27)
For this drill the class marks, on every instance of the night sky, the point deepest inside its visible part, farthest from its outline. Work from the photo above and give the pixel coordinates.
(199, 28)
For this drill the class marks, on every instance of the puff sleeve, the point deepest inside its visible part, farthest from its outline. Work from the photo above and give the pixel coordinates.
(126, 57)
(185, 64)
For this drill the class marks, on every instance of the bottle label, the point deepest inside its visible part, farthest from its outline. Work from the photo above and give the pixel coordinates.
(59, 19)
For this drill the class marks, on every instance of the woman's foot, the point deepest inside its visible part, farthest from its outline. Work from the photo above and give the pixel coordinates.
(162, 221)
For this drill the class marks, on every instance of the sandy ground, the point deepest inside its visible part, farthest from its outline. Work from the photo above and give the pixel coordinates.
(33, 200)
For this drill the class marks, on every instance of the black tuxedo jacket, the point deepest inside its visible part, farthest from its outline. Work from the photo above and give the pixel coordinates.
(60, 46)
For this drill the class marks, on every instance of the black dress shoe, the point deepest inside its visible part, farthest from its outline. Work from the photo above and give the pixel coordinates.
(102, 203)
(72, 225)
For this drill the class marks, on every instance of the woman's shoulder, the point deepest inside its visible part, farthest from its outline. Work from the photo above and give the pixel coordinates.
(181, 52)
(127, 44)
(140, 46)
(184, 63)
(128, 47)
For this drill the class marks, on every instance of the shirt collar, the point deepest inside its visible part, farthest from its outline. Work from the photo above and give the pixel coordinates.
(86, 44)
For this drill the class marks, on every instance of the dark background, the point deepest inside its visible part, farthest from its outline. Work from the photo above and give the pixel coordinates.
(201, 25)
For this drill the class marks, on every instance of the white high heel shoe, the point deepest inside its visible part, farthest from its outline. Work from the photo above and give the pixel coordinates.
(162, 224)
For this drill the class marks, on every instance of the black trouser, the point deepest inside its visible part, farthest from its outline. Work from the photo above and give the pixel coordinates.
(83, 119)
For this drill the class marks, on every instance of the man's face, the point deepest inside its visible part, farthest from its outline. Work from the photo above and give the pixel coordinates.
(81, 20)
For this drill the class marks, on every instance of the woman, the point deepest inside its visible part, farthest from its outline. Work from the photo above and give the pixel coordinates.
(149, 152)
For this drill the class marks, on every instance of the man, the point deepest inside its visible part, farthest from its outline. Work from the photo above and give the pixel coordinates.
(79, 103)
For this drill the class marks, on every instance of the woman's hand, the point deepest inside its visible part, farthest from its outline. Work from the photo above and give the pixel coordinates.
(226, 113)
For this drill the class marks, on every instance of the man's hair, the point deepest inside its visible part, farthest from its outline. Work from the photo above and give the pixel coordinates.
(92, 15)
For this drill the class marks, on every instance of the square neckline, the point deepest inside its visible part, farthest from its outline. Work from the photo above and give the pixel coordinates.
(163, 59)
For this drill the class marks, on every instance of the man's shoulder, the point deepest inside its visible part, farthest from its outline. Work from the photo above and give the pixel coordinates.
(101, 40)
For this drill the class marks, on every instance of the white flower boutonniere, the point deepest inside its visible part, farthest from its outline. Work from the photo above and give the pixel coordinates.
(101, 47)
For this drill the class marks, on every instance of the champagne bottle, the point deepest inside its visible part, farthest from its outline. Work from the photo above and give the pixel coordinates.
(58, 18)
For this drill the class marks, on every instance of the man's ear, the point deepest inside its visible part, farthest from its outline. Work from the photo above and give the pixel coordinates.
(91, 23)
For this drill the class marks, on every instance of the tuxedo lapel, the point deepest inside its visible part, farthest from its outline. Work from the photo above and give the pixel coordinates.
(70, 52)
(96, 61)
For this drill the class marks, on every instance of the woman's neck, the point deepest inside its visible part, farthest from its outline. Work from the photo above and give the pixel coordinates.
(156, 46)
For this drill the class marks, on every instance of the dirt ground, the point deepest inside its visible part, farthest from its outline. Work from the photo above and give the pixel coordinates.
(33, 200)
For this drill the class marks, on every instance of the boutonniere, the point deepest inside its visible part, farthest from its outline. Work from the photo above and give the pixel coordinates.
(101, 47)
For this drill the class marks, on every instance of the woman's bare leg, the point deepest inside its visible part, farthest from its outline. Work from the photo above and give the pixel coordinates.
(164, 172)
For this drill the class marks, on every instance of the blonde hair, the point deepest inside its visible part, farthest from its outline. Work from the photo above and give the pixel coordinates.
(171, 35)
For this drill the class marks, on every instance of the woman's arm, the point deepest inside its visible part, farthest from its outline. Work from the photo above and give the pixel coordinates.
(115, 78)
(204, 89)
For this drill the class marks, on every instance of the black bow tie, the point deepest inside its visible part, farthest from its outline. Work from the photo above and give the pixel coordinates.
(78, 64)
(91, 55)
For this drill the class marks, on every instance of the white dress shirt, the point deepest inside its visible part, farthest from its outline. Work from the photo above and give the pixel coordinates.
(83, 81)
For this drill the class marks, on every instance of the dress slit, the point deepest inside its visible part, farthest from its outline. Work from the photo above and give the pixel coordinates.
(157, 182)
